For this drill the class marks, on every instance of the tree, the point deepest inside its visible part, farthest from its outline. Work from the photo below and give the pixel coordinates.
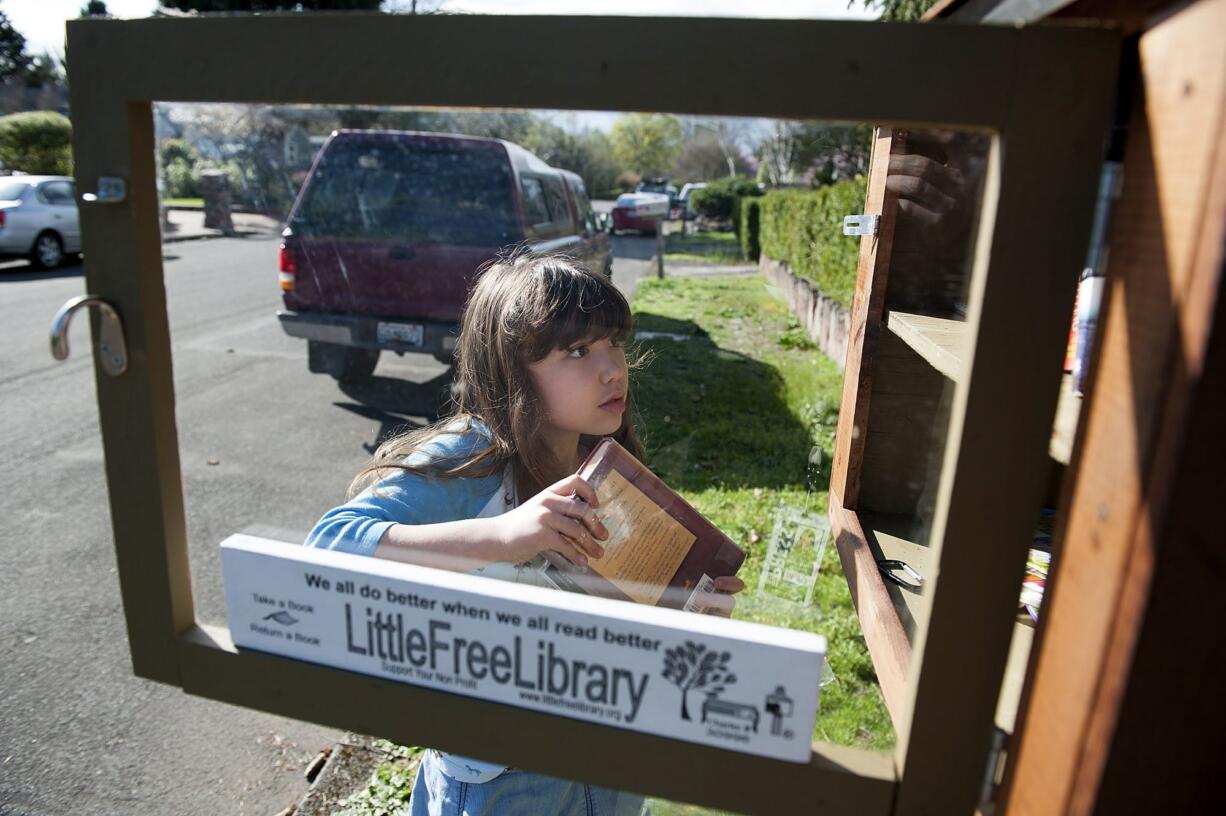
(814, 153)
(43, 72)
(38, 142)
(585, 152)
(777, 156)
(26, 82)
(899, 10)
(690, 667)
(646, 143)
(271, 5)
(14, 62)
(95, 8)
(180, 178)
(727, 135)
(703, 157)
(833, 153)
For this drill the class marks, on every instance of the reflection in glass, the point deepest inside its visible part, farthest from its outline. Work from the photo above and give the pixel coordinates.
(298, 354)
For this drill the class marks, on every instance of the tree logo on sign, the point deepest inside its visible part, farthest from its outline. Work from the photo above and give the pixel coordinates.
(693, 667)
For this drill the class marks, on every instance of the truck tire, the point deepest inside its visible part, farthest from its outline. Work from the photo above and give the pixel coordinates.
(343, 363)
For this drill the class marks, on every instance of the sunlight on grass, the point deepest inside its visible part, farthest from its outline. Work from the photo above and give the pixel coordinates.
(730, 419)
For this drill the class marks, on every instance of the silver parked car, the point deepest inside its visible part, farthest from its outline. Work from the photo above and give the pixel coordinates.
(38, 219)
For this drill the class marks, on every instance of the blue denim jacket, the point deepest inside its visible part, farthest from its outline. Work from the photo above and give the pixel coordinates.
(410, 498)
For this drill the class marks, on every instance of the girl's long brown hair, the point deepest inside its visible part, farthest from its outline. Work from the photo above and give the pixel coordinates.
(522, 307)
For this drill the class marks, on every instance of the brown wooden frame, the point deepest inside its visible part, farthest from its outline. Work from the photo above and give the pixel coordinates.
(1012, 82)
(1122, 709)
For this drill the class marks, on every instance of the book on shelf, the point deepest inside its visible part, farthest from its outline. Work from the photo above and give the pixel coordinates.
(660, 550)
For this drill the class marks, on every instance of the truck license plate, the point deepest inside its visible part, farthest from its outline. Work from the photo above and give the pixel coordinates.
(409, 333)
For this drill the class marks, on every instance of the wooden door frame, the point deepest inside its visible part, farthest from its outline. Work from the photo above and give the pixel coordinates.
(1011, 82)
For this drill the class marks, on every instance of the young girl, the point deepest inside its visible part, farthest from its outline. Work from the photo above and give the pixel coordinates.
(541, 374)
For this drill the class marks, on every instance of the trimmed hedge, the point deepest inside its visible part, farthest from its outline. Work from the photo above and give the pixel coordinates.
(719, 198)
(748, 225)
(37, 142)
(805, 229)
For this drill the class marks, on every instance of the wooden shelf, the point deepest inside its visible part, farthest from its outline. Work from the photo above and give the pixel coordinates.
(1068, 410)
(1015, 673)
(940, 341)
(890, 615)
(889, 538)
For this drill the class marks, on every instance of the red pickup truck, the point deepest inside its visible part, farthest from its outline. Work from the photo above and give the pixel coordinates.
(389, 228)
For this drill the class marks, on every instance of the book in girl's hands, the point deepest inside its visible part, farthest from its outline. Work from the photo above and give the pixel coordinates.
(660, 550)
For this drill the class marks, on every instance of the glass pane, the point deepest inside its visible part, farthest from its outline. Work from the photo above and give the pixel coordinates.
(321, 320)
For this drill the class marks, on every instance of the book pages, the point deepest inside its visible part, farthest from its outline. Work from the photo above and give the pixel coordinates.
(645, 546)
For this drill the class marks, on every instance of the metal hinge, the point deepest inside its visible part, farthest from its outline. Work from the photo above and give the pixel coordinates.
(860, 224)
(111, 190)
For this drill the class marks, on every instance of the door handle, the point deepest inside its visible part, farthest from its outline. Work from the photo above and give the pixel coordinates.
(112, 348)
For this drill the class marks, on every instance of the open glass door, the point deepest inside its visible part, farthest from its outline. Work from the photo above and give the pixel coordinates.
(339, 353)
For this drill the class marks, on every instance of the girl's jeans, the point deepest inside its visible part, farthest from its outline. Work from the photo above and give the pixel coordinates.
(513, 793)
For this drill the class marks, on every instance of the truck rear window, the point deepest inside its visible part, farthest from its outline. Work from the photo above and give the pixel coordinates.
(413, 191)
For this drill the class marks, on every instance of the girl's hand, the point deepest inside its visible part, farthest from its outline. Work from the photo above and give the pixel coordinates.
(559, 518)
(720, 602)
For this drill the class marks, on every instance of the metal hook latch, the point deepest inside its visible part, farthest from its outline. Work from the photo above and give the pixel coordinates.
(887, 566)
(112, 348)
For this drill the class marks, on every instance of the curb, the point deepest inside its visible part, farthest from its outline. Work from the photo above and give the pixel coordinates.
(175, 239)
(347, 768)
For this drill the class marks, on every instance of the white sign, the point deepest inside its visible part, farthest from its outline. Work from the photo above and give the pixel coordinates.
(731, 684)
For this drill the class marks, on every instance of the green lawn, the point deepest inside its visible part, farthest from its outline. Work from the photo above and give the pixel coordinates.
(706, 246)
(183, 202)
(730, 418)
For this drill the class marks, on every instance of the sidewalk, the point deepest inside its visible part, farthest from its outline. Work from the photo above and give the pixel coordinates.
(188, 225)
(694, 269)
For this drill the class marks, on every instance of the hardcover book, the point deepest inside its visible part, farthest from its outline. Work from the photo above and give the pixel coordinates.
(660, 550)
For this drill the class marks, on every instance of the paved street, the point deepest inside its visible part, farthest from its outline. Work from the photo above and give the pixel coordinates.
(265, 447)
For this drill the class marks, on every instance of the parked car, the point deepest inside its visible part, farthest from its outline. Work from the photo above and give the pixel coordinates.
(638, 211)
(390, 228)
(38, 219)
(661, 185)
(687, 206)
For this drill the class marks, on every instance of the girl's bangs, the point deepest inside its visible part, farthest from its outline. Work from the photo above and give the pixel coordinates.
(581, 307)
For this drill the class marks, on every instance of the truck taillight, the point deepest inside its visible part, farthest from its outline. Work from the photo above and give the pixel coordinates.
(1, 218)
(289, 268)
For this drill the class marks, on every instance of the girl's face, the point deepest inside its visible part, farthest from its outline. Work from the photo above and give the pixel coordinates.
(583, 388)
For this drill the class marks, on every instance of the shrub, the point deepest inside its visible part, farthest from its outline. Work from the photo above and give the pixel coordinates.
(748, 225)
(181, 180)
(173, 150)
(718, 198)
(38, 142)
(805, 229)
